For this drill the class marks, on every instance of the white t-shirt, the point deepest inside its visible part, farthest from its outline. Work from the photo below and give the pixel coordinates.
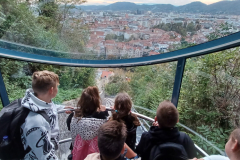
(216, 157)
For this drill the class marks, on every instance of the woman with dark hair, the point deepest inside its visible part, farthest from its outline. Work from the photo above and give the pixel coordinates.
(122, 113)
(87, 119)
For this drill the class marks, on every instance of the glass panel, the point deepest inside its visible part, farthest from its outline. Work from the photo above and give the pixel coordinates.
(63, 152)
(112, 31)
(147, 85)
(209, 99)
(64, 148)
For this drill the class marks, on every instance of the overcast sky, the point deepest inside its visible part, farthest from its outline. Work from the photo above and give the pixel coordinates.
(173, 2)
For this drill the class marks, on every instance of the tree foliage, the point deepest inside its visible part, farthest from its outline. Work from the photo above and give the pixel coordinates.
(118, 83)
(181, 28)
(17, 77)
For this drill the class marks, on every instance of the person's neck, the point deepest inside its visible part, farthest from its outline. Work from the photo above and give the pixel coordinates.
(44, 98)
(235, 157)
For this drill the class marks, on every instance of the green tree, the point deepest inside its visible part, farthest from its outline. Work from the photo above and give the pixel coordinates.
(191, 27)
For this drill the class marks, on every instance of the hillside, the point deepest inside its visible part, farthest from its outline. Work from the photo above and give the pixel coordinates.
(192, 7)
(222, 7)
(229, 7)
(120, 6)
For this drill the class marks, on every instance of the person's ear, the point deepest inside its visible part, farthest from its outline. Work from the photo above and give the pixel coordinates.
(50, 91)
(177, 120)
(235, 147)
(155, 119)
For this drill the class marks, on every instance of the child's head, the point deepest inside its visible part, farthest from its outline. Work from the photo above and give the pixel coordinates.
(43, 81)
(111, 138)
(167, 115)
(89, 102)
(123, 103)
(122, 106)
(232, 147)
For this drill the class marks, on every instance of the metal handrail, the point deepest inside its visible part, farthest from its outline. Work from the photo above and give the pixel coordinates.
(202, 152)
(65, 140)
(64, 110)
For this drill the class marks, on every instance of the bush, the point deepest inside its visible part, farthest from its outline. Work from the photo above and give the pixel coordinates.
(66, 95)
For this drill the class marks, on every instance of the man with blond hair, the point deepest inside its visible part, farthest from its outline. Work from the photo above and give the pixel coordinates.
(39, 133)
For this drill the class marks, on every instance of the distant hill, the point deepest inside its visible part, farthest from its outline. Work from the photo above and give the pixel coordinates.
(90, 7)
(118, 6)
(192, 7)
(223, 7)
(230, 7)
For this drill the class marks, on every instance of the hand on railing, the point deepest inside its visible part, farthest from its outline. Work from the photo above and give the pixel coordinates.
(155, 123)
(102, 108)
(68, 111)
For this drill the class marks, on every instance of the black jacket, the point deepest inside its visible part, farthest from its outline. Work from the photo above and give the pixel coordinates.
(157, 135)
(131, 131)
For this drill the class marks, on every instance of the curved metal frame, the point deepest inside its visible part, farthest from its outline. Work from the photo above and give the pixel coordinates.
(201, 49)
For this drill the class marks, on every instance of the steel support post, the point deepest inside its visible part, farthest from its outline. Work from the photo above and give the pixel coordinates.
(178, 80)
(3, 92)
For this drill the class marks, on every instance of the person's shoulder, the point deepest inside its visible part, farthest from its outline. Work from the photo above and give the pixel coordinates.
(185, 139)
(100, 115)
(216, 157)
(146, 135)
(36, 120)
(184, 135)
(93, 156)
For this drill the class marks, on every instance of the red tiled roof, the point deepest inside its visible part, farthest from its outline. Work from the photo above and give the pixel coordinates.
(105, 74)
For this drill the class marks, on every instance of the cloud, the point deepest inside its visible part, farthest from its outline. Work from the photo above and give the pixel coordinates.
(173, 2)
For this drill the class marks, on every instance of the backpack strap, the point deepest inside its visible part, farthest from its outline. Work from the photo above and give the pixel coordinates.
(19, 102)
(45, 116)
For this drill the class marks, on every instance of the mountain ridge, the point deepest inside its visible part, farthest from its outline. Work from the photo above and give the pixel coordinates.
(222, 7)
